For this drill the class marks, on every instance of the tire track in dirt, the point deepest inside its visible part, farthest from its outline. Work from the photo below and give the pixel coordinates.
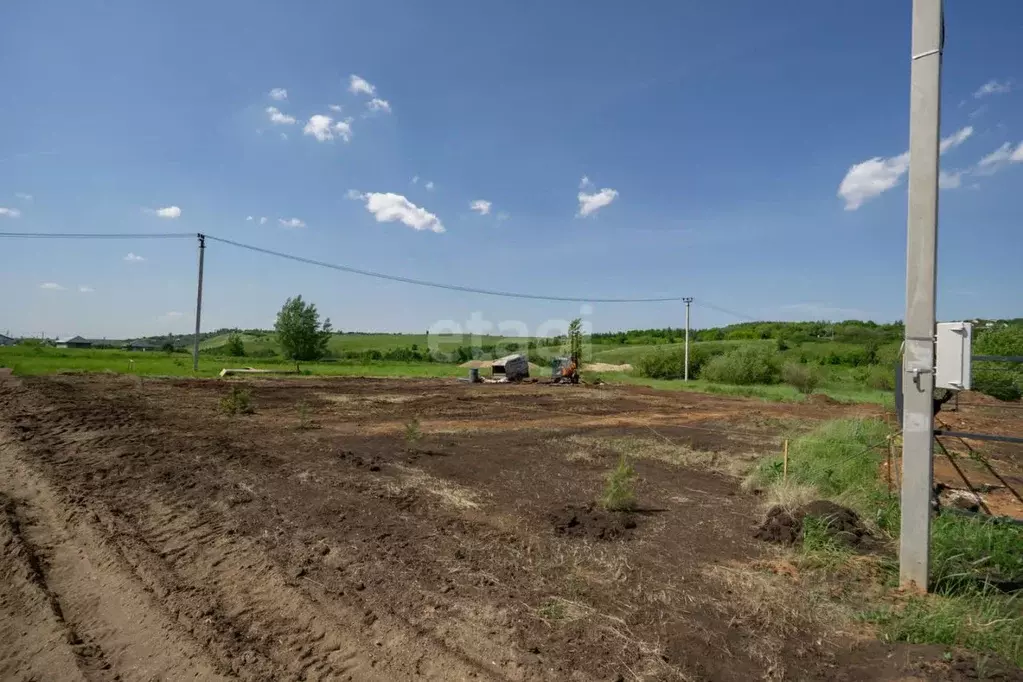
(35, 640)
(114, 627)
(218, 588)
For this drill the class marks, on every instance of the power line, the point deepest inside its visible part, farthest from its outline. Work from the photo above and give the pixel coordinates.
(438, 285)
(359, 271)
(100, 235)
(726, 311)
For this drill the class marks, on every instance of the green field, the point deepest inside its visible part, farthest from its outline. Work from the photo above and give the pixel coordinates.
(35, 361)
(28, 361)
(849, 362)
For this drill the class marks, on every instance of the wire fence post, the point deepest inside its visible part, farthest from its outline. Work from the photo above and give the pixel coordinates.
(785, 462)
(198, 304)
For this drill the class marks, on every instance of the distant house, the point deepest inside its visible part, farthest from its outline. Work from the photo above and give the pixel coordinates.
(7, 340)
(139, 345)
(73, 342)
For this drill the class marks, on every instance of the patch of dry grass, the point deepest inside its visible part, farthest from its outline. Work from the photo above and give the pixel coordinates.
(448, 493)
(772, 599)
(788, 494)
(663, 449)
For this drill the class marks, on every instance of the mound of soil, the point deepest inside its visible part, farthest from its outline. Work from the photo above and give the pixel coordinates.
(786, 528)
(822, 399)
(591, 522)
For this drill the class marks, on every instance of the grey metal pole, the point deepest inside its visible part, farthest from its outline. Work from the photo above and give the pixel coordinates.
(198, 305)
(688, 301)
(921, 267)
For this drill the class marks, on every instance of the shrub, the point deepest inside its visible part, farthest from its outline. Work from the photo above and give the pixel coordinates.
(881, 377)
(670, 364)
(804, 378)
(235, 347)
(743, 366)
(237, 401)
(997, 383)
(620, 489)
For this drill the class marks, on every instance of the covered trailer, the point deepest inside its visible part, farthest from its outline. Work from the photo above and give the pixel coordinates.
(511, 367)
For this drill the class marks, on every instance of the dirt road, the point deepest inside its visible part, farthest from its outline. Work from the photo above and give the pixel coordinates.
(386, 530)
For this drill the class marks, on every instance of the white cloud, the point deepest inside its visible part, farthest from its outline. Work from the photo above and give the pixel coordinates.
(10, 212)
(1000, 157)
(353, 194)
(585, 183)
(165, 212)
(319, 127)
(503, 216)
(956, 139)
(335, 107)
(284, 136)
(85, 289)
(248, 219)
(950, 180)
(324, 129)
(429, 186)
(377, 104)
(23, 196)
(415, 179)
(279, 94)
(359, 85)
(278, 117)
(481, 206)
(343, 129)
(52, 286)
(993, 87)
(388, 208)
(591, 203)
(132, 258)
(868, 179)
(291, 222)
(262, 220)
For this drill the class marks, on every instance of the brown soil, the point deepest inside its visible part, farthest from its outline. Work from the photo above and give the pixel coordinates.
(589, 521)
(146, 535)
(786, 528)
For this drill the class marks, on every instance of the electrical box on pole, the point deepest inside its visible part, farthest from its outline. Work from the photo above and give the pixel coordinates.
(953, 350)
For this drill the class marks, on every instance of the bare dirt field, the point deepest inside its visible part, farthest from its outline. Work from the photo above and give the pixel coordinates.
(395, 530)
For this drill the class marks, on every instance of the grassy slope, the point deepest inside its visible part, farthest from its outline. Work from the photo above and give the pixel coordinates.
(358, 342)
(840, 460)
(58, 360)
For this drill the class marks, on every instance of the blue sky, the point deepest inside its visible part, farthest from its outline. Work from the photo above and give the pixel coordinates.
(714, 139)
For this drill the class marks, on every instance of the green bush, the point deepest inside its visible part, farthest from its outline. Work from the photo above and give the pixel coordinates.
(997, 383)
(881, 377)
(235, 347)
(803, 378)
(743, 366)
(670, 364)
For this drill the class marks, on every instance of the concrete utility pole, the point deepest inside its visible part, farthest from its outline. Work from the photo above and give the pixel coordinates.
(688, 300)
(198, 305)
(921, 266)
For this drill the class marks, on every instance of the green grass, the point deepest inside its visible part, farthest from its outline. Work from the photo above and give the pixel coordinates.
(984, 621)
(970, 556)
(773, 392)
(36, 361)
(340, 343)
